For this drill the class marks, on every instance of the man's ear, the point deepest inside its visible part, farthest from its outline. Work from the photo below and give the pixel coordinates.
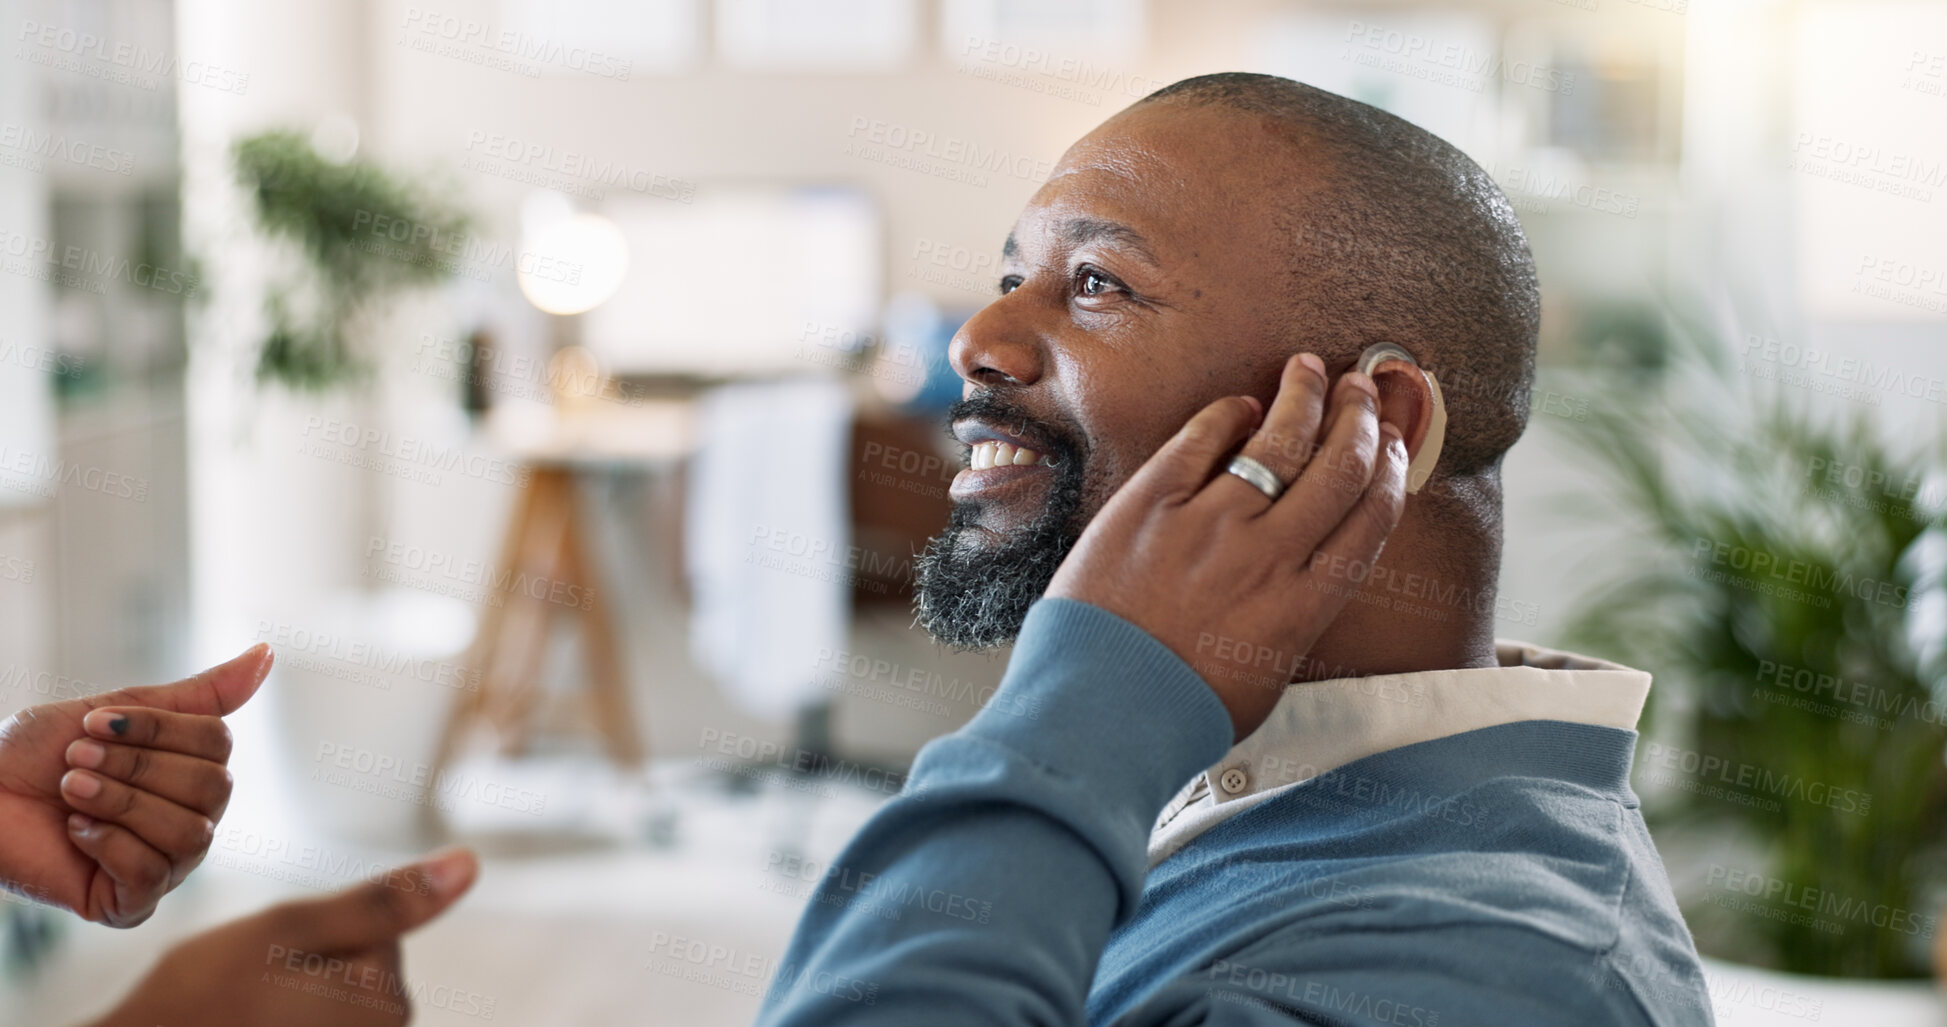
(1409, 399)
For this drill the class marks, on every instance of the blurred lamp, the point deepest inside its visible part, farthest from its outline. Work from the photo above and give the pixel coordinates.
(572, 263)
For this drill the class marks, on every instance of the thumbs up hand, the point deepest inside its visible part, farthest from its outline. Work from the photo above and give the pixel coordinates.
(107, 802)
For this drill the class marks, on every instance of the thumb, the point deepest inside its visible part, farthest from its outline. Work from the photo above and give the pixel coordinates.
(216, 692)
(377, 912)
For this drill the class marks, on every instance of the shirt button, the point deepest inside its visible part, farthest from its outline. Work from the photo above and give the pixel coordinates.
(1233, 781)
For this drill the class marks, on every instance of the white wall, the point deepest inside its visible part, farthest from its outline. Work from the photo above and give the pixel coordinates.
(26, 400)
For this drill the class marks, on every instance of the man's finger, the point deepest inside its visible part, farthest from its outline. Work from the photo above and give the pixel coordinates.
(1338, 475)
(137, 873)
(216, 692)
(202, 736)
(1185, 463)
(1360, 536)
(377, 912)
(178, 832)
(199, 784)
(1289, 435)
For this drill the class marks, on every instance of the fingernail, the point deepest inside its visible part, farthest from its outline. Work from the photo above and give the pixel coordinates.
(449, 871)
(104, 723)
(87, 753)
(1311, 360)
(1360, 381)
(80, 823)
(1256, 407)
(81, 784)
(264, 657)
(1391, 434)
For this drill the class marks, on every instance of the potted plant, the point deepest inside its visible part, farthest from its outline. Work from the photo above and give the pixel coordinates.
(1784, 584)
(356, 237)
(362, 234)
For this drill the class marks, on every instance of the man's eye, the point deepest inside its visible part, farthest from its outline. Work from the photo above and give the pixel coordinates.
(1009, 283)
(1090, 282)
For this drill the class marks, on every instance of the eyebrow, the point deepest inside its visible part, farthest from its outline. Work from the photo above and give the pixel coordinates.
(1081, 231)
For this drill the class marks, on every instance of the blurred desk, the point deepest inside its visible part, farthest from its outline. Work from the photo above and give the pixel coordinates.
(547, 566)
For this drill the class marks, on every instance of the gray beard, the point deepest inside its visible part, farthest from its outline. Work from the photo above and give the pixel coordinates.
(972, 596)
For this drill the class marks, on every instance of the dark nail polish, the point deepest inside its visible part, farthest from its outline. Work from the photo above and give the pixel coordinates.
(119, 725)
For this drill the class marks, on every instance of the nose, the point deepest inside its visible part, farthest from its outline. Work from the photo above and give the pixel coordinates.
(997, 347)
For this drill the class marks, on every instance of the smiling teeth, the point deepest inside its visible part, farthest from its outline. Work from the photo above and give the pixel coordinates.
(1001, 454)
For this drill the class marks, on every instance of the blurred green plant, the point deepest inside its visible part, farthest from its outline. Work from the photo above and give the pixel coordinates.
(341, 218)
(1775, 534)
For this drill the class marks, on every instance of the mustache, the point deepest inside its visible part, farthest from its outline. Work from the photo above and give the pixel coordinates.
(1063, 441)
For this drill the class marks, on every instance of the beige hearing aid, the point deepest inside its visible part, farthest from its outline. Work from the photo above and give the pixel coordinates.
(1436, 430)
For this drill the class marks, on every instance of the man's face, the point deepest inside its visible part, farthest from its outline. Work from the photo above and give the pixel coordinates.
(1146, 279)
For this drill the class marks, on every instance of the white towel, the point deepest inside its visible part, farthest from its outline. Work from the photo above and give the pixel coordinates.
(768, 529)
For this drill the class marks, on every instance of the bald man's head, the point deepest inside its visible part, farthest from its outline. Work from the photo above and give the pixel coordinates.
(1181, 252)
(1409, 241)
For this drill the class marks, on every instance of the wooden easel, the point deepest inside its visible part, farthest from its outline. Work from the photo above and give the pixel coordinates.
(544, 551)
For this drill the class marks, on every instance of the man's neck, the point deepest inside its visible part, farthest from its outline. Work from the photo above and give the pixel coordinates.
(1415, 612)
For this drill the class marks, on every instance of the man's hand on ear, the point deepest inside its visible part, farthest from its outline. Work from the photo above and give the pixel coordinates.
(329, 962)
(109, 801)
(1239, 585)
